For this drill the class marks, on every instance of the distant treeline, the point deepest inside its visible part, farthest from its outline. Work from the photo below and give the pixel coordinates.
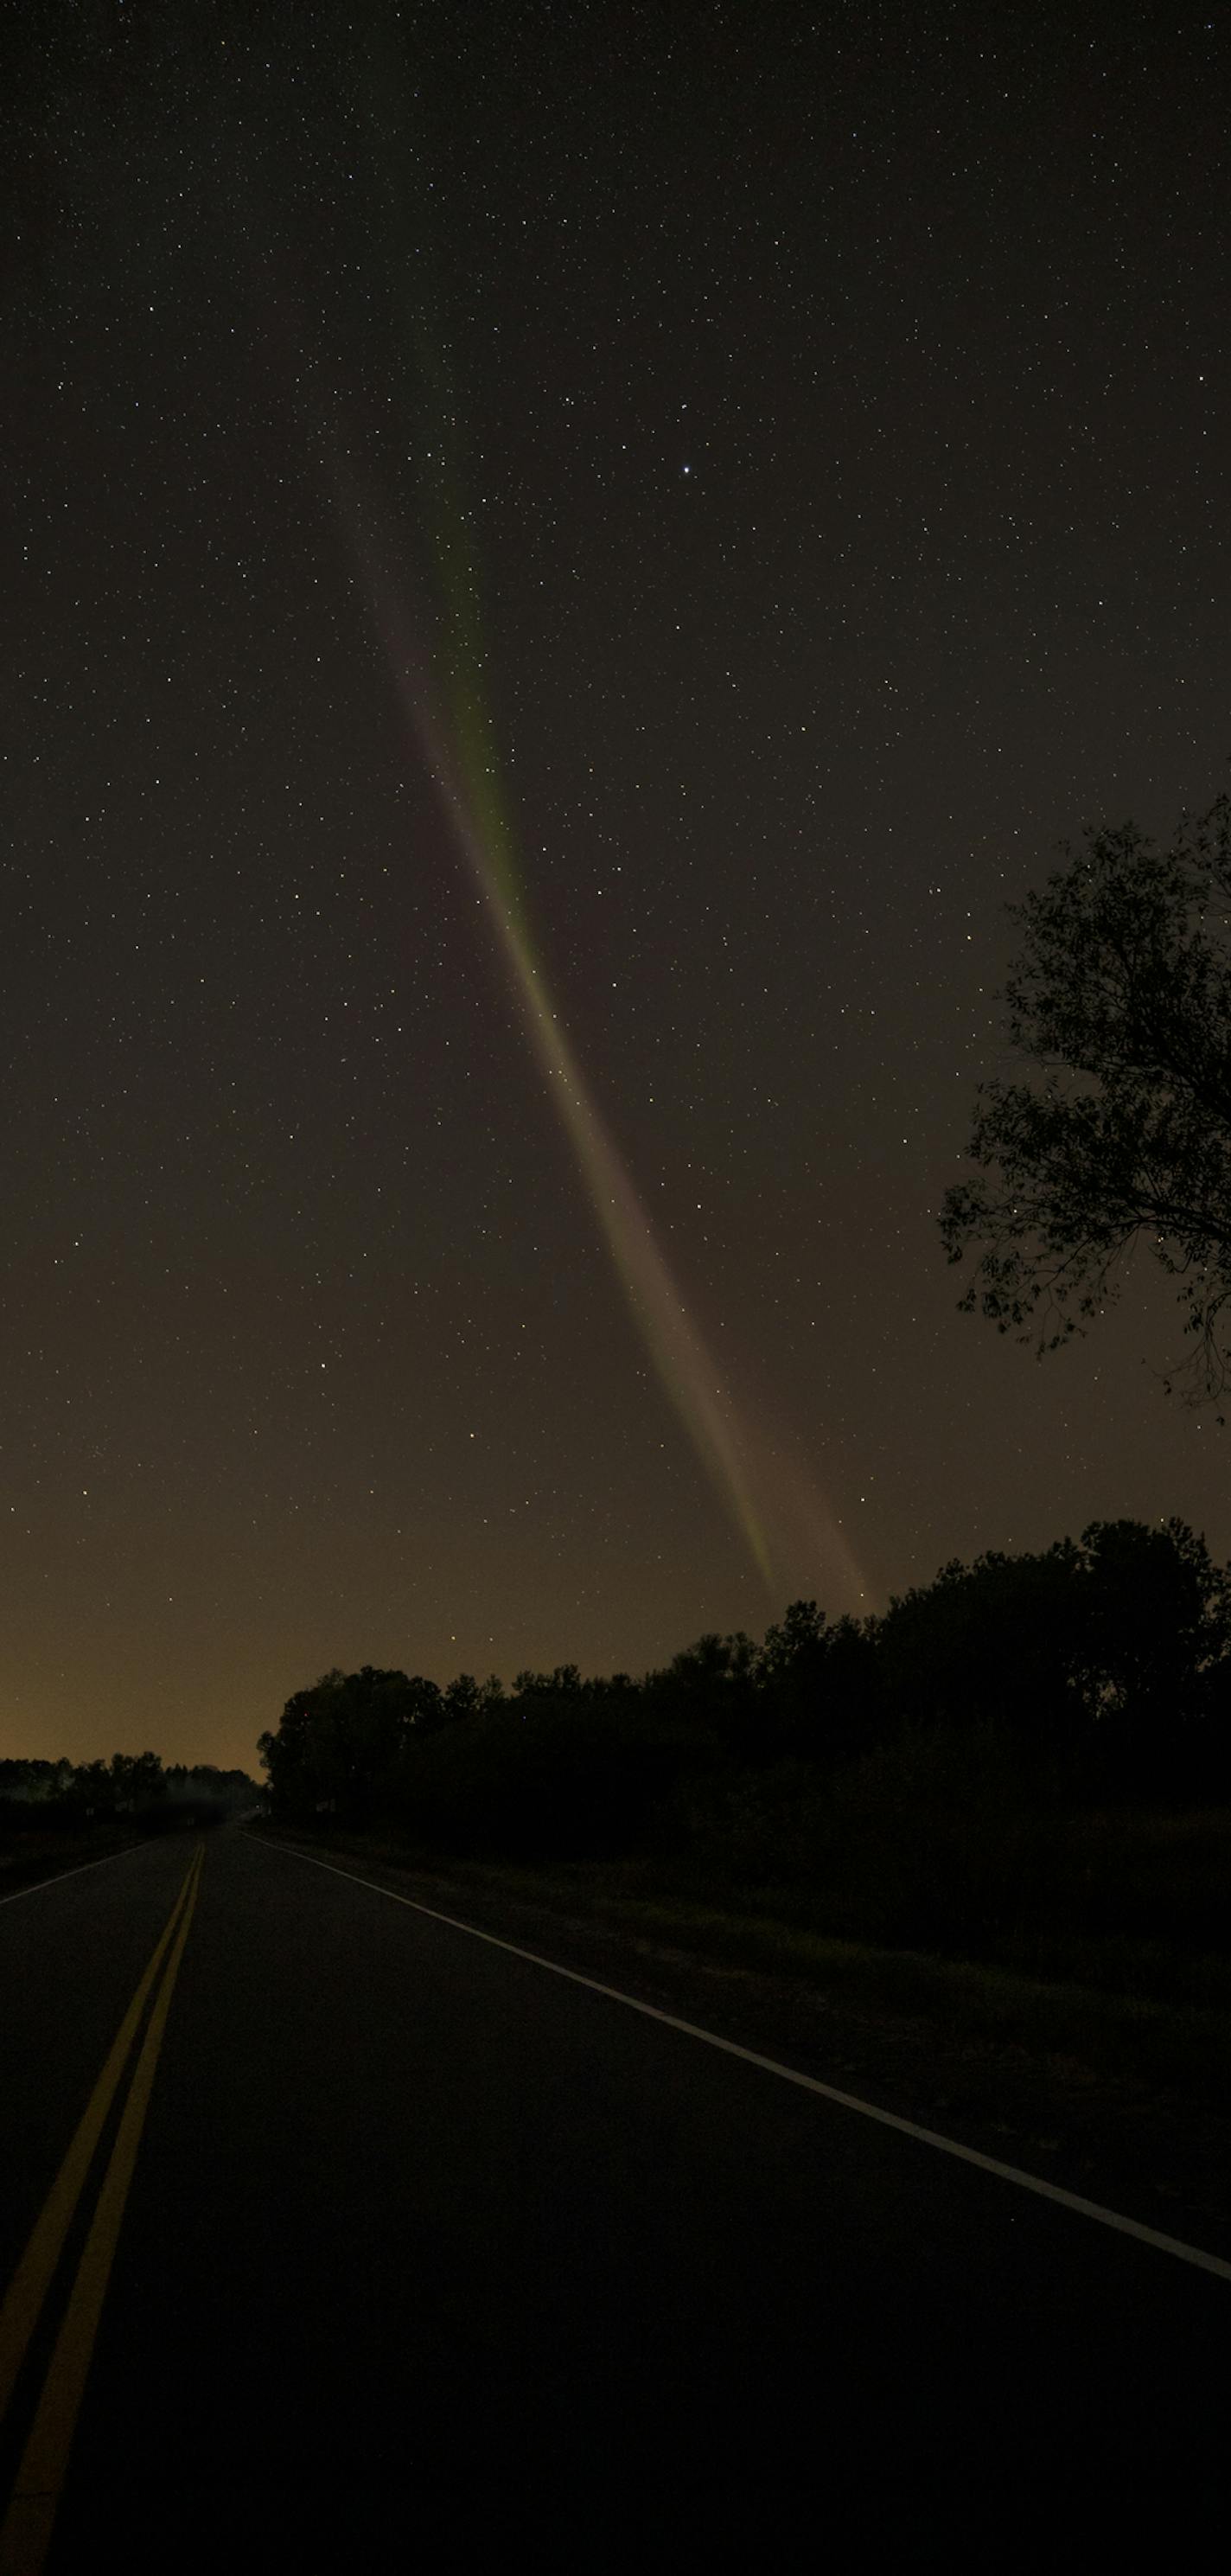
(1097, 1673)
(135, 1788)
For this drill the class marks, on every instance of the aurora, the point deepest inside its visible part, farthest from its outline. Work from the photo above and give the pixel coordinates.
(446, 708)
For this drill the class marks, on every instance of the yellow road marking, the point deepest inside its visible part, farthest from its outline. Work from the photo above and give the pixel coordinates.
(26, 2531)
(28, 2288)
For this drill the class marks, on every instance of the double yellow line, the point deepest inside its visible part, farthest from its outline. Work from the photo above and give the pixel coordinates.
(25, 2534)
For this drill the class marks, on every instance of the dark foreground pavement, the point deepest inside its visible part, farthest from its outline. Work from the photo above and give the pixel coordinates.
(432, 2258)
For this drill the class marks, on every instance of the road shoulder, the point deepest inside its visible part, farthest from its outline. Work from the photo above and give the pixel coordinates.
(1145, 2148)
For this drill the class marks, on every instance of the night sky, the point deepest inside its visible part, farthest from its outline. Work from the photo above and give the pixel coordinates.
(806, 434)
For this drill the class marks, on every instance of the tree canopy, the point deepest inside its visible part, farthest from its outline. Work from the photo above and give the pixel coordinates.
(1121, 1001)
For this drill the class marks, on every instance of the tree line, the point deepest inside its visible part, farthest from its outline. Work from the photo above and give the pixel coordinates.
(1095, 1671)
(137, 1788)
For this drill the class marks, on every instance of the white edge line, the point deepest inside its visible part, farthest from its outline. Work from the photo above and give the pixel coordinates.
(791, 2075)
(74, 1872)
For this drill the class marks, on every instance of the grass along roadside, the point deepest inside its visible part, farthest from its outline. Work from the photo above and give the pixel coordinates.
(29, 1858)
(1176, 2045)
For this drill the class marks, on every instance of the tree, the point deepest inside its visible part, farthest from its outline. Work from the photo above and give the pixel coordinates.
(1098, 1658)
(1122, 1000)
(993, 1644)
(137, 1781)
(1157, 1629)
(818, 1686)
(465, 1697)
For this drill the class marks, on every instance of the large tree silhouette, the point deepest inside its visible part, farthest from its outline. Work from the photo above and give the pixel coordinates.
(1121, 1003)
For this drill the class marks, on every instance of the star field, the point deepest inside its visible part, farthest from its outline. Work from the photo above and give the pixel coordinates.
(838, 403)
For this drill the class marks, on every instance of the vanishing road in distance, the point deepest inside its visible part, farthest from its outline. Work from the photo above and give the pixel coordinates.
(390, 2247)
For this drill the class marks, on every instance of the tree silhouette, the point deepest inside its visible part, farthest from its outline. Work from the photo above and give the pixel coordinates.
(1122, 1001)
(1099, 1668)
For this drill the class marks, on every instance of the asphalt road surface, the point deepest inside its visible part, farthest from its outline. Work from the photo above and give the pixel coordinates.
(389, 2247)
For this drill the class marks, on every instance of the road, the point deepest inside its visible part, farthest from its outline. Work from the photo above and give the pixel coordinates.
(430, 2256)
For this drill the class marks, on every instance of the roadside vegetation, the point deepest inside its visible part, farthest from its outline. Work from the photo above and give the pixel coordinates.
(54, 1815)
(1023, 1768)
